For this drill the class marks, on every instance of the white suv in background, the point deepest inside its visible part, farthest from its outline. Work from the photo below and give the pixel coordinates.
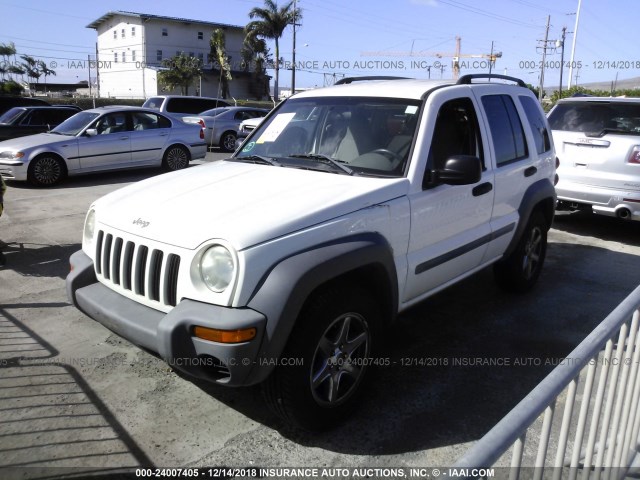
(598, 144)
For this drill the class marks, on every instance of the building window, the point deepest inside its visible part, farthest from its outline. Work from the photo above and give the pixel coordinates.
(165, 32)
(200, 35)
(159, 55)
(133, 55)
(115, 34)
(124, 57)
(122, 34)
(115, 57)
(191, 54)
(133, 31)
(201, 57)
(178, 52)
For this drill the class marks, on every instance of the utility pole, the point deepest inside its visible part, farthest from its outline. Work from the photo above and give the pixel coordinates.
(293, 54)
(564, 34)
(573, 46)
(544, 58)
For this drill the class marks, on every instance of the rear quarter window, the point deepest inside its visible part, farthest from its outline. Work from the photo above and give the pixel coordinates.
(538, 123)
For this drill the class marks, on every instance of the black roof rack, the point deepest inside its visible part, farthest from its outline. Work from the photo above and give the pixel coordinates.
(467, 79)
(347, 80)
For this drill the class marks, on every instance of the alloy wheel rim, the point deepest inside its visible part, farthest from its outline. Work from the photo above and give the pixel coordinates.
(47, 170)
(340, 359)
(532, 253)
(176, 159)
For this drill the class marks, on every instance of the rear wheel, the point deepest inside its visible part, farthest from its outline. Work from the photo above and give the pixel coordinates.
(520, 270)
(46, 170)
(331, 346)
(175, 158)
(228, 142)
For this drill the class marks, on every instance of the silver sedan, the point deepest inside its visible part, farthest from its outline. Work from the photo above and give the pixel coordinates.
(106, 138)
(223, 123)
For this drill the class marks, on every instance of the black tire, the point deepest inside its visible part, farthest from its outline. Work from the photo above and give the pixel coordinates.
(46, 170)
(333, 338)
(228, 142)
(175, 158)
(519, 272)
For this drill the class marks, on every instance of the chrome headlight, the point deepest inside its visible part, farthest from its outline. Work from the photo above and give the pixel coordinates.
(89, 227)
(217, 268)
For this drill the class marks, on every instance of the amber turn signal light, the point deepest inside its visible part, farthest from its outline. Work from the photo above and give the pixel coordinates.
(224, 336)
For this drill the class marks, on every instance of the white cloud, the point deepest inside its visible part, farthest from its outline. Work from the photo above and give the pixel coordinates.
(429, 3)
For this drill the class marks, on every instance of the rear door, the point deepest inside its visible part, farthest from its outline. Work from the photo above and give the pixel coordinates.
(519, 159)
(149, 137)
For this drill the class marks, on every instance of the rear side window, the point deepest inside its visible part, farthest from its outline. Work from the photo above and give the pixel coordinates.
(506, 128)
(153, 102)
(597, 118)
(538, 124)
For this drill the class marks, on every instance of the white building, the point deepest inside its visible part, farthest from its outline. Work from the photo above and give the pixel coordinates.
(131, 47)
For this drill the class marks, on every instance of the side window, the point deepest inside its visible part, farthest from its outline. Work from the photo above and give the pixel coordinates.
(36, 118)
(112, 123)
(456, 132)
(538, 124)
(506, 129)
(149, 121)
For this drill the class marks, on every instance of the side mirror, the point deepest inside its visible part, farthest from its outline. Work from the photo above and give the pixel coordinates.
(91, 132)
(459, 170)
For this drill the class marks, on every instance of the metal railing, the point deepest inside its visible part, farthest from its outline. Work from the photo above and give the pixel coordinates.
(597, 389)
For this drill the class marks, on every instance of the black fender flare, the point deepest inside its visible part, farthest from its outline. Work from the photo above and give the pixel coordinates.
(540, 194)
(283, 291)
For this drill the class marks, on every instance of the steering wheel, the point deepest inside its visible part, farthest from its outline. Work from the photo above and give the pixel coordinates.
(388, 153)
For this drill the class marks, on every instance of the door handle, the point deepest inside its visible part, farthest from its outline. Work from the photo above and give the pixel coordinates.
(530, 171)
(124, 138)
(482, 189)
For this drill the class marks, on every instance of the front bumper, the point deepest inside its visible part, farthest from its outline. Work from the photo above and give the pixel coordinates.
(170, 334)
(604, 201)
(13, 169)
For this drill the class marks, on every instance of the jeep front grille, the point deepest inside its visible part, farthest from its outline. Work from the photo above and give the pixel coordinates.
(146, 272)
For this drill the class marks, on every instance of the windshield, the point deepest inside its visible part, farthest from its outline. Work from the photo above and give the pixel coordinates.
(368, 135)
(214, 111)
(10, 116)
(74, 125)
(596, 117)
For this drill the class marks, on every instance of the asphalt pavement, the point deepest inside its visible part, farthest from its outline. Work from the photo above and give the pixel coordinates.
(73, 394)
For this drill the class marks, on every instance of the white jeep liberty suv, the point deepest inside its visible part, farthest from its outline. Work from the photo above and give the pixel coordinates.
(346, 206)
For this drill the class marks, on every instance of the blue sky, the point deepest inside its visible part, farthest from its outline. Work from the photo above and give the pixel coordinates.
(371, 37)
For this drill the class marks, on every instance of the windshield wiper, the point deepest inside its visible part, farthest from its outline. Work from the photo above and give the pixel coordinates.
(256, 159)
(602, 132)
(326, 160)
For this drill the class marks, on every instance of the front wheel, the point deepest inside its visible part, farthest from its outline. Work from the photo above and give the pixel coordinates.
(175, 158)
(46, 170)
(520, 270)
(331, 349)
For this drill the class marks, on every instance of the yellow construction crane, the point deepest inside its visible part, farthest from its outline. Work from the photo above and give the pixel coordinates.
(456, 56)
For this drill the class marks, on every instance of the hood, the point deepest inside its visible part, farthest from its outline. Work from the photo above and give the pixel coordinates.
(241, 203)
(31, 141)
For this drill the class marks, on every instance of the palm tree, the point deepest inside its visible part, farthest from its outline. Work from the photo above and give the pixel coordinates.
(46, 71)
(219, 55)
(271, 23)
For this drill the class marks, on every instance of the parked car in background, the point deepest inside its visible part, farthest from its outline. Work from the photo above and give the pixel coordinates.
(223, 123)
(248, 126)
(7, 102)
(106, 138)
(181, 105)
(598, 144)
(21, 121)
